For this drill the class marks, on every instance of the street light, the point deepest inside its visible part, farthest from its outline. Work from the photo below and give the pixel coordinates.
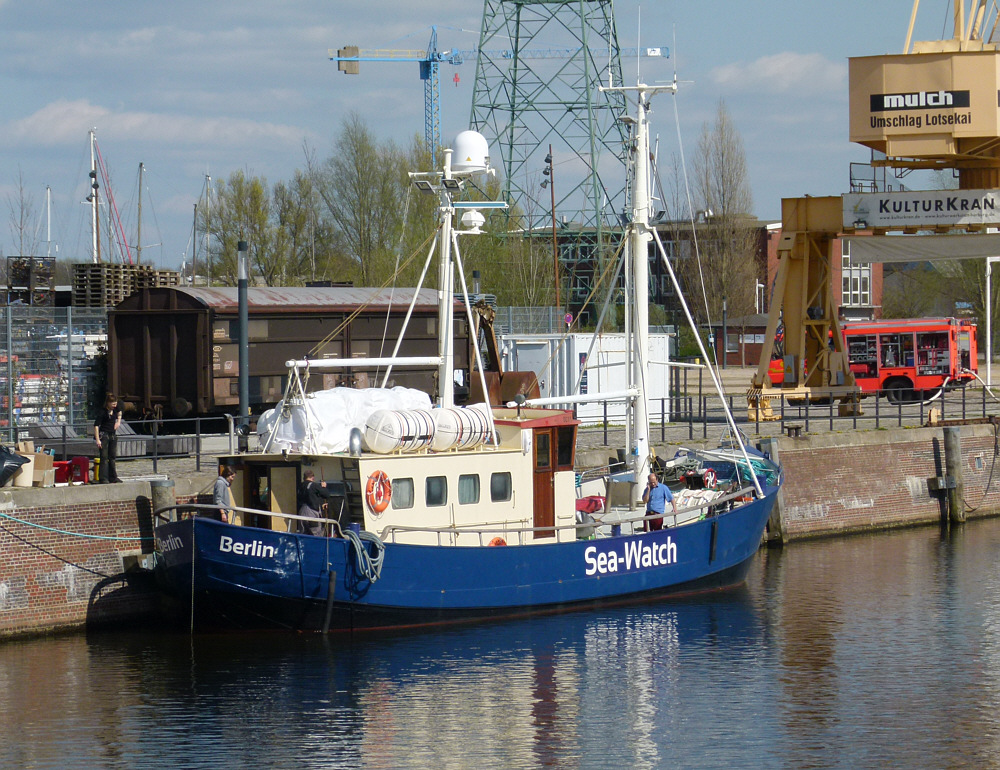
(548, 171)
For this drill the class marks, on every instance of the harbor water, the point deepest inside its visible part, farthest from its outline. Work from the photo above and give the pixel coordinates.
(867, 651)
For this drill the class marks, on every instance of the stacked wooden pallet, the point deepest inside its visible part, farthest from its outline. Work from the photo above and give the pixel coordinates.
(105, 285)
(100, 285)
(147, 277)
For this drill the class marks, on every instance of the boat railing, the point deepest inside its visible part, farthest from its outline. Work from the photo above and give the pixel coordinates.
(164, 514)
(486, 532)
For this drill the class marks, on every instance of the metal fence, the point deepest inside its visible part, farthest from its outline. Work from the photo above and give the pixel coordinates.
(51, 361)
(530, 320)
(698, 414)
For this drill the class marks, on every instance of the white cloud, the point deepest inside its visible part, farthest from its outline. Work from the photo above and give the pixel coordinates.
(64, 122)
(784, 72)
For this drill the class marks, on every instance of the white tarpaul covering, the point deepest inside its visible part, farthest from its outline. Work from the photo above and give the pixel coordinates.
(323, 424)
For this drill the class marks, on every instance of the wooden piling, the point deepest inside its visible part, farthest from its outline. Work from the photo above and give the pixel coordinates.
(953, 474)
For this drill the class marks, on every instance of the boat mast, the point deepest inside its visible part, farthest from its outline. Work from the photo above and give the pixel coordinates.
(639, 236)
(48, 221)
(446, 301)
(138, 228)
(95, 233)
(639, 239)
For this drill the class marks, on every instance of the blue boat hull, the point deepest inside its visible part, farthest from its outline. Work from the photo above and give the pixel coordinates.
(247, 577)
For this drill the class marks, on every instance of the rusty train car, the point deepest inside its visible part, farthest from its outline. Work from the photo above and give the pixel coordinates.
(173, 351)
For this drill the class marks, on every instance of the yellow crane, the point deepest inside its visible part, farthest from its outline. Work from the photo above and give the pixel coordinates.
(932, 106)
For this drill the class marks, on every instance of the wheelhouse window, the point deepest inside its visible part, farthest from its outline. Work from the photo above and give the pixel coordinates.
(543, 443)
(436, 490)
(402, 493)
(500, 487)
(468, 489)
(566, 438)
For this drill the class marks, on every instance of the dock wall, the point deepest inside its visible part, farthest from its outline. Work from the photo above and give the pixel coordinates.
(850, 482)
(73, 557)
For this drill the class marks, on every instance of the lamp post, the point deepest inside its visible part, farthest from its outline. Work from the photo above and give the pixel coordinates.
(551, 184)
(242, 294)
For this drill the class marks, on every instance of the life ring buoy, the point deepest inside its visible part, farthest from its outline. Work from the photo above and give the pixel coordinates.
(498, 541)
(378, 493)
(709, 478)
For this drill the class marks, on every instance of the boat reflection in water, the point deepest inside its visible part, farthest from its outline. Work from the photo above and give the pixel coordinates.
(540, 691)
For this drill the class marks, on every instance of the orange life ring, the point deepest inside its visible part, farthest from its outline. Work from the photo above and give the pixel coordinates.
(709, 478)
(498, 541)
(378, 493)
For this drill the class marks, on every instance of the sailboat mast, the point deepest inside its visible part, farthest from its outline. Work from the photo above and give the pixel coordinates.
(48, 221)
(95, 232)
(138, 228)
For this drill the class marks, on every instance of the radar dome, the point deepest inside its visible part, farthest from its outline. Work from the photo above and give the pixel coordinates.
(471, 153)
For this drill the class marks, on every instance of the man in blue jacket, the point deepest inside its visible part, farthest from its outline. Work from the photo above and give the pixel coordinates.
(656, 496)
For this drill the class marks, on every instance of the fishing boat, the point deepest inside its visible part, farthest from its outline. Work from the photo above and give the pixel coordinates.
(438, 513)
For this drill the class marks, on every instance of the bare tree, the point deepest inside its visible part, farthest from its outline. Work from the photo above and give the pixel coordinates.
(22, 218)
(727, 233)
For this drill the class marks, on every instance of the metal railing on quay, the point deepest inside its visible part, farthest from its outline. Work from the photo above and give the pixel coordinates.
(198, 438)
(699, 415)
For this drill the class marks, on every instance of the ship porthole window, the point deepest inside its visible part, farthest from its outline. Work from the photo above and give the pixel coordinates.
(468, 489)
(500, 487)
(402, 493)
(436, 490)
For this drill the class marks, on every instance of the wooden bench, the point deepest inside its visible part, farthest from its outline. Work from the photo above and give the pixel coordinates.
(793, 430)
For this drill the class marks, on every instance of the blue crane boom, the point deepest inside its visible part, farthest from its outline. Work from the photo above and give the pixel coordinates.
(349, 59)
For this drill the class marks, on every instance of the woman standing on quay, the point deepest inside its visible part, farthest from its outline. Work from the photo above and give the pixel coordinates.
(106, 427)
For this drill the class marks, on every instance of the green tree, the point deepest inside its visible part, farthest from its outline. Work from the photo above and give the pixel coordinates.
(243, 212)
(362, 190)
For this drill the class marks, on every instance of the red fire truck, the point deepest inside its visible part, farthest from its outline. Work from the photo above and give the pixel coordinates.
(907, 359)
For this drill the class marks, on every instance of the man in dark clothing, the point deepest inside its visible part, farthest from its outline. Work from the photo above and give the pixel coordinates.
(311, 495)
(106, 426)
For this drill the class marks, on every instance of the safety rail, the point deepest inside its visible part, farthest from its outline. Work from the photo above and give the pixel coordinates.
(484, 531)
(188, 507)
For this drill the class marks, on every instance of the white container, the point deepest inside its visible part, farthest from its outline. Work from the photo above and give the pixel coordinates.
(403, 430)
(461, 427)
(557, 361)
(25, 474)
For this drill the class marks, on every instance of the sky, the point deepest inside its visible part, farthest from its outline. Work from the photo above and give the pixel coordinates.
(195, 89)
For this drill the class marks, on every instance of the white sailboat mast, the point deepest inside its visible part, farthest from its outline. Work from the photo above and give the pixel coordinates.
(94, 223)
(138, 226)
(48, 221)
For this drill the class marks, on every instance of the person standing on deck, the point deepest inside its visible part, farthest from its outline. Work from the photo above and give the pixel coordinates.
(220, 495)
(656, 496)
(106, 426)
(311, 493)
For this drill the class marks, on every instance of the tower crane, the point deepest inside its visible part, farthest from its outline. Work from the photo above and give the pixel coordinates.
(349, 60)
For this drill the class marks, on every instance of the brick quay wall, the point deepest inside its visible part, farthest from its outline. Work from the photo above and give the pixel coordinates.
(76, 557)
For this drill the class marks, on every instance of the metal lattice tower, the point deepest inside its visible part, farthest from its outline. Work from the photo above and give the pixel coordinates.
(522, 102)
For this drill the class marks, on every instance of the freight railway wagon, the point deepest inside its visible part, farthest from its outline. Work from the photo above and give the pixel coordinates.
(174, 351)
